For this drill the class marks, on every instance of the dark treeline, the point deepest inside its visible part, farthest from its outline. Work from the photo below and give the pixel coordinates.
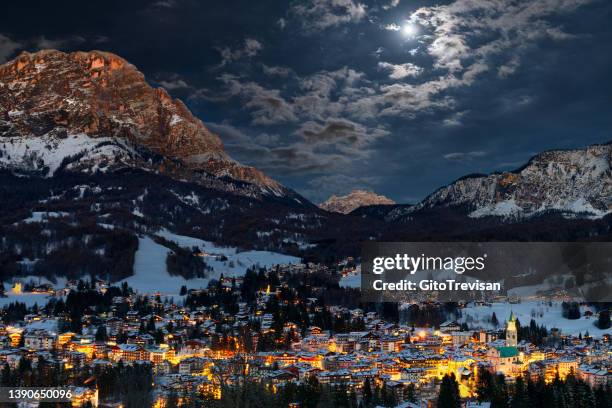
(603, 322)
(308, 394)
(428, 315)
(61, 250)
(568, 393)
(130, 384)
(571, 310)
(41, 374)
(534, 333)
(183, 261)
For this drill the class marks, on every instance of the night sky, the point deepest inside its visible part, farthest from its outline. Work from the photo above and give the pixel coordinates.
(396, 96)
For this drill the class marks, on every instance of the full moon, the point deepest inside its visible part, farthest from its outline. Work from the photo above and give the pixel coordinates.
(410, 30)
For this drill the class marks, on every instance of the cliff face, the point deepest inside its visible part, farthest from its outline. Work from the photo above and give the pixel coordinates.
(99, 97)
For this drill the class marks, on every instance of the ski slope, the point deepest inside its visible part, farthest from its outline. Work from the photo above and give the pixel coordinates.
(151, 275)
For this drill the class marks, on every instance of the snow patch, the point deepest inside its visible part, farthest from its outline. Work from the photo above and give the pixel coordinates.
(506, 208)
(175, 119)
(46, 153)
(41, 216)
(544, 313)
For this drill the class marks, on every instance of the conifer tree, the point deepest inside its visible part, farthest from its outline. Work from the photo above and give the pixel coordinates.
(449, 393)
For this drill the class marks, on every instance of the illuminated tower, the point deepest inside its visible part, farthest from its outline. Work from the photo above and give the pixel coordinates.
(511, 333)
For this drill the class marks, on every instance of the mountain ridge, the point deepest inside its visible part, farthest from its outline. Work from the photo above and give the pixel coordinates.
(98, 96)
(572, 181)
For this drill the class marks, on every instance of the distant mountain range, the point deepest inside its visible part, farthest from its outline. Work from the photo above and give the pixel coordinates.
(574, 182)
(104, 157)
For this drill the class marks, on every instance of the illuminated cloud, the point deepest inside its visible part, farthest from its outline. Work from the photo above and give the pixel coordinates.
(317, 15)
(399, 71)
(393, 27)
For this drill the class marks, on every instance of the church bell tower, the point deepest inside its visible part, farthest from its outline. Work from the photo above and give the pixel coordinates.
(511, 331)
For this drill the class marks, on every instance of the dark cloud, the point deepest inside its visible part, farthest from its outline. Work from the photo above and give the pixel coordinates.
(250, 48)
(294, 158)
(277, 71)
(61, 43)
(164, 4)
(7, 47)
(340, 133)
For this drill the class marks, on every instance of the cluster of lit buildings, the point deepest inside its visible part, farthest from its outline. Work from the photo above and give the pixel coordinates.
(403, 359)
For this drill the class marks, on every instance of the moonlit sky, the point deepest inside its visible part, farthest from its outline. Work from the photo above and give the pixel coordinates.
(395, 96)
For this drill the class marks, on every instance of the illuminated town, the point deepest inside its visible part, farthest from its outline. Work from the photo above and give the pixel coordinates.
(277, 328)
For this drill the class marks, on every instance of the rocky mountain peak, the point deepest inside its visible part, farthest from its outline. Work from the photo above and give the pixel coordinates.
(100, 95)
(574, 182)
(353, 200)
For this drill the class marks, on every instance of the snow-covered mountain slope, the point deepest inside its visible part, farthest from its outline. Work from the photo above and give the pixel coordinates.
(353, 200)
(151, 274)
(97, 107)
(78, 224)
(574, 182)
(46, 154)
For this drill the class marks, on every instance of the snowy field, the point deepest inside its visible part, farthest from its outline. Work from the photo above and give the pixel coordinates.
(50, 325)
(30, 299)
(353, 280)
(543, 313)
(151, 276)
(41, 216)
(549, 315)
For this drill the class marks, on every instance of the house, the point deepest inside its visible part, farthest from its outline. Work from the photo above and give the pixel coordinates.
(595, 376)
(391, 344)
(39, 340)
(448, 327)
(191, 365)
(128, 352)
(82, 396)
